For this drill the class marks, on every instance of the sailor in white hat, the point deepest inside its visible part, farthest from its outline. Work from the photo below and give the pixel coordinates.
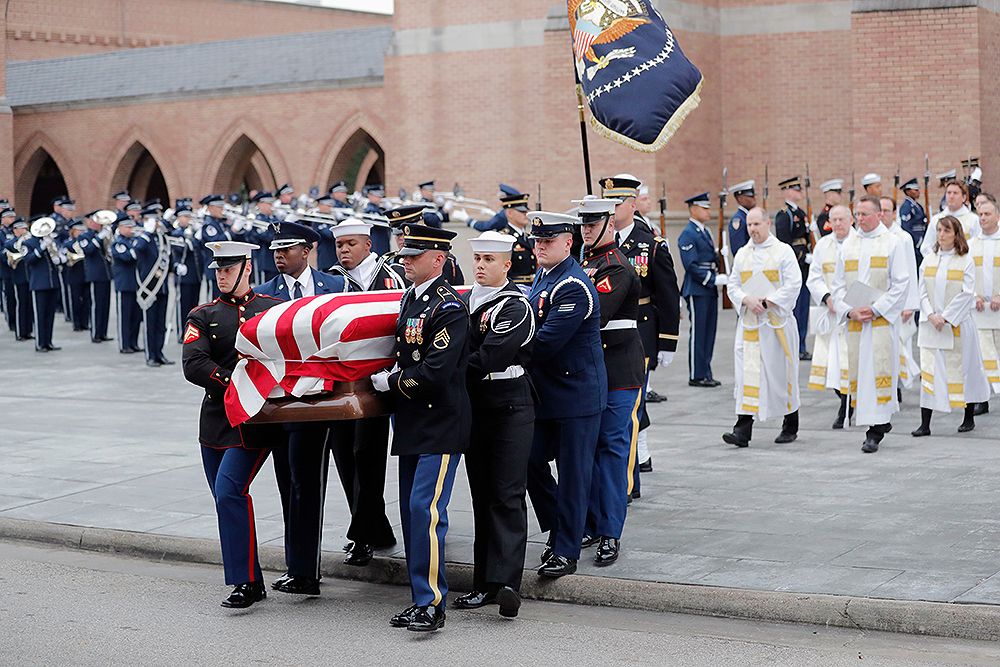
(873, 184)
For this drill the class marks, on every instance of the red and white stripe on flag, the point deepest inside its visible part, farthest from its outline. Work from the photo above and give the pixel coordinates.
(303, 346)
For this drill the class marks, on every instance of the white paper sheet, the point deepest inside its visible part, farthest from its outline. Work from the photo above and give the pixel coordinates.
(908, 329)
(931, 338)
(987, 319)
(758, 286)
(861, 295)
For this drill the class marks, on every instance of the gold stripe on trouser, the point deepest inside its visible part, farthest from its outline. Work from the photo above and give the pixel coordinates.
(988, 347)
(432, 569)
(633, 450)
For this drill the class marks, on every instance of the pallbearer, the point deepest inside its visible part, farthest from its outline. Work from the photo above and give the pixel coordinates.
(986, 257)
(765, 283)
(503, 415)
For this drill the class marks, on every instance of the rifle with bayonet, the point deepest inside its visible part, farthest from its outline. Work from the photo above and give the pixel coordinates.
(663, 210)
(763, 204)
(927, 190)
(809, 212)
(851, 202)
(895, 186)
(723, 251)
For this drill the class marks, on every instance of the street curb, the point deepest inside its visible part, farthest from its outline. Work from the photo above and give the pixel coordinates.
(944, 619)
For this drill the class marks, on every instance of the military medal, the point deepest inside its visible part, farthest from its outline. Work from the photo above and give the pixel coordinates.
(416, 355)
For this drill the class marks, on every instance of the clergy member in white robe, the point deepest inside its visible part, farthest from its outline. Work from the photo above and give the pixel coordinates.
(953, 374)
(765, 284)
(985, 251)
(876, 259)
(956, 203)
(909, 369)
(829, 357)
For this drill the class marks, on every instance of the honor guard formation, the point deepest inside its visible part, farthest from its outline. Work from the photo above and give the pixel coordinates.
(538, 373)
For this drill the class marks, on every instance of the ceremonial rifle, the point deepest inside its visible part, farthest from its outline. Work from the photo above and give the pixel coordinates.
(663, 210)
(895, 187)
(851, 204)
(723, 251)
(809, 211)
(927, 187)
(538, 204)
(764, 203)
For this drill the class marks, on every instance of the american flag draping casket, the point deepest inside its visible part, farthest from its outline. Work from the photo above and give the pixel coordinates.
(306, 346)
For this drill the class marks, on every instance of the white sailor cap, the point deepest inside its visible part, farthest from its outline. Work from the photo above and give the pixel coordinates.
(869, 179)
(833, 184)
(492, 241)
(643, 190)
(592, 208)
(947, 175)
(976, 175)
(228, 253)
(545, 225)
(351, 227)
(744, 188)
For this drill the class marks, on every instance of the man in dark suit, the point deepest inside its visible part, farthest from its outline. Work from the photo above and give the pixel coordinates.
(700, 260)
(301, 468)
(567, 368)
(433, 416)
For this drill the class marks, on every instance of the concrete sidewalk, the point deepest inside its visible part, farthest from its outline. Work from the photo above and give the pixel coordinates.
(93, 439)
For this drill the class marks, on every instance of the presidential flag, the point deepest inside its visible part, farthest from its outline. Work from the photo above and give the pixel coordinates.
(638, 84)
(303, 346)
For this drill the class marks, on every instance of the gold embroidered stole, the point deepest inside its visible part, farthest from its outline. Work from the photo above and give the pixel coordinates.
(952, 357)
(744, 261)
(821, 343)
(878, 278)
(987, 340)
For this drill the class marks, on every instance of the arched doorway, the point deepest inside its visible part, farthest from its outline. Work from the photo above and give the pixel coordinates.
(244, 168)
(44, 180)
(139, 173)
(360, 162)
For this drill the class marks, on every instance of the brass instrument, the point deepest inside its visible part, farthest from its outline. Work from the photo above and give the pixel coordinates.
(44, 229)
(333, 218)
(15, 256)
(246, 221)
(74, 254)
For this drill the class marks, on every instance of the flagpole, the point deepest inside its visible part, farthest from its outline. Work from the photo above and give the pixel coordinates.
(583, 125)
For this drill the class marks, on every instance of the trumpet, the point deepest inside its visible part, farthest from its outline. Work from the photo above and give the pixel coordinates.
(241, 222)
(334, 217)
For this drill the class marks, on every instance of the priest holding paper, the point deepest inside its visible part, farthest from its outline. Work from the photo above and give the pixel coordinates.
(869, 288)
(986, 256)
(765, 283)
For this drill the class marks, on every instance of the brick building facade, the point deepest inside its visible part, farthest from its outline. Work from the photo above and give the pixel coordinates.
(184, 97)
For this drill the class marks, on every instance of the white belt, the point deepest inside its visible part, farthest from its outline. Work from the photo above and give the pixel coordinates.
(619, 324)
(509, 374)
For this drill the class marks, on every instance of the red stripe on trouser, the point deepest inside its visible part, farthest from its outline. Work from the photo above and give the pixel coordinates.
(253, 525)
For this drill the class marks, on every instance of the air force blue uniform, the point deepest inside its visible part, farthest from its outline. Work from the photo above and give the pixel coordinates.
(126, 284)
(698, 255)
(23, 309)
(738, 234)
(43, 281)
(913, 219)
(152, 265)
(97, 271)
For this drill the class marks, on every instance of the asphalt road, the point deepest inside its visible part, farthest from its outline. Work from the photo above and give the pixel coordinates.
(73, 608)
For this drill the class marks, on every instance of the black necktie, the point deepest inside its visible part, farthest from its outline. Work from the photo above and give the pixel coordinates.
(298, 290)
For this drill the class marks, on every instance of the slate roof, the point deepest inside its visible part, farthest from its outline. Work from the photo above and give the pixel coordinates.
(281, 63)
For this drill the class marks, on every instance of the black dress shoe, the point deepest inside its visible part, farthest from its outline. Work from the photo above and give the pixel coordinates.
(360, 555)
(734, 439)
(427, 619)
(474, 600)
(653, 397)
(128, 350)
(154, 363)
(557, 566)
(166, 362)
(403, 618)
(348, 546)
(635, 495)
(53, 348)
(704, 382)
(805, 356)
(298, 585)
(138, 349)
(25, 338)
(41, 349)
(509, 600)
(920, 432)
(838, 423)
(981, 409)
(647, 465)
(245, 595)
(785, 437)
(547, 551)
(869, 446)
(607, 552)
(965, 427)
(589, 540)
(280, 581)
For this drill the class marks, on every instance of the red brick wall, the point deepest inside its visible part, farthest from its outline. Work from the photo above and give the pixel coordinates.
(989, 96)
(38, 29)
(435, 13)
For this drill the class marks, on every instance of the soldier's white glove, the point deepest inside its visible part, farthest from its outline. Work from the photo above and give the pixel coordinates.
(104, 233)
(664, 358)
(380, 381)
(237, 226)
(44, 243)
(181, 270)
(809, 258)
(721, 279)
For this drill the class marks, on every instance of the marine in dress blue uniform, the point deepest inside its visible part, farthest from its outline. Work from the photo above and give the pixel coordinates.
(791, 227)
(126, 278)
(232, 457)
(567, 369)
(95, 242)
(433, 417)
(700, 260)
(24, 309)
(187, 266)
(912, 217)
(42, 260)
(302, 467)
(398, 217)
(746, 199)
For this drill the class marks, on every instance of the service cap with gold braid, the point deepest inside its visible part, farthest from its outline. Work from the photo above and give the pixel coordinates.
(794, 183)
(418, 239)
(621, 186)
(401, 215)
(518, 201)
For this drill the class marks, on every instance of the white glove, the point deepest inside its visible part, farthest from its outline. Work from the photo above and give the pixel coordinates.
(45, 243)
(448, 206)
(664, 358)
(809, 258)
(721, 279)
(237, 226)
(380, 381)
(181, 270)
(104, 233)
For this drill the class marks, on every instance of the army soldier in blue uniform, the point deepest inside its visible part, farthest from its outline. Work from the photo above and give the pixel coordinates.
(791, 227)
(74, 275)
(746, 199)
(699, 257)
(567, 369)
(187, 266)
(42, 260)
(501, 333)
(232, 457)
(24, 310)
(434, 216)
(95, 242)
(433, 416)
(360, 446)
(153, 259)
(126, 284)
(912, 217)
(300, 468)
(214, 228)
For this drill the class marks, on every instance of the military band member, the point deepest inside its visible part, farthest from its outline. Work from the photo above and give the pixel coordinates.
(433, 416)
(953, 377)
(956, 197)
(232, 457)
(132, 209)
(338, 193)
(516, 224)
(872, 183)
(434, 215)
(500, 337)
(24, 308)
(7, 297)
(95, 242)
(153, 259)
(618, 290)
(187, 266)
(126, 278)
(829, 357)
(876, 258)
(121, 200)
(287, 199)
(360, 446)
(42, 261)
(912, 216)
(699, 257)
(379, 234)
(74, 275)
(63, 210)
(262, 236)
(567, 369)
(767, 377)
(499, 220)
(986, 258)
(214, 228)
(746, 198)
(300, 468)
(909, 369)
(792, 228)
(833, 195)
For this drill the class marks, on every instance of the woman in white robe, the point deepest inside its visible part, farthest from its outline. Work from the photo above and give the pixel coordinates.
(950, 377)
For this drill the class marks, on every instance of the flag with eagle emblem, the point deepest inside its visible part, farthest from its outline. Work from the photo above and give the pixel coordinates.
(638, 84)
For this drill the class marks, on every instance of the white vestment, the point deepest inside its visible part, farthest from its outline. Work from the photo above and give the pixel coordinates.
(875, 391)
(909, 369)
(970, 226)
(766, 348)
(827, 361)
(985, 252)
